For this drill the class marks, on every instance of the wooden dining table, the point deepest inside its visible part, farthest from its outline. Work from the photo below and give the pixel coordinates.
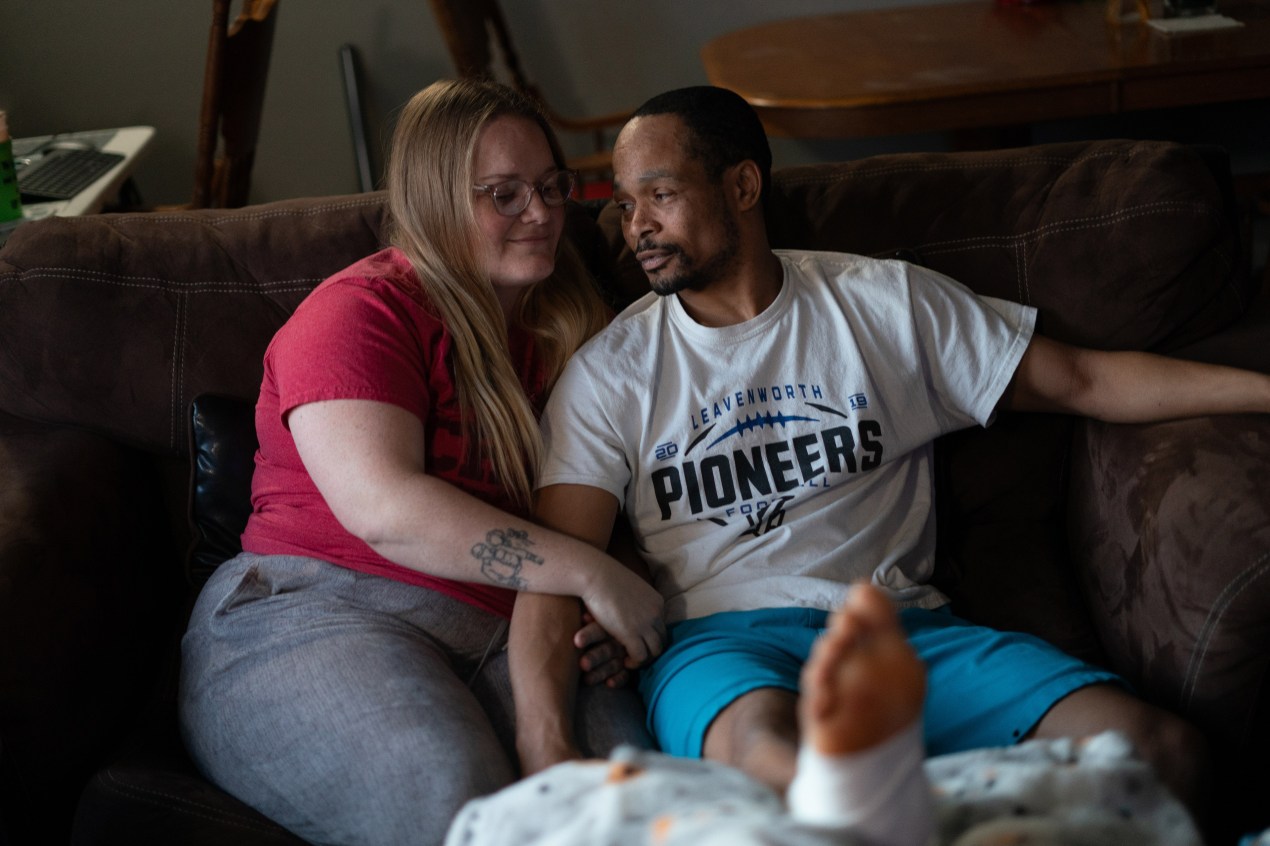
(964, 66)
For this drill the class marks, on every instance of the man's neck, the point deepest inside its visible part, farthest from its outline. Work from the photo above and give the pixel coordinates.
(737, 298)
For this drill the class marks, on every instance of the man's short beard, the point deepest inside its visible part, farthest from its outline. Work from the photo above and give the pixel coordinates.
(698, 278)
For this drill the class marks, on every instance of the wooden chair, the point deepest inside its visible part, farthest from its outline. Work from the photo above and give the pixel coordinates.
(233, 99)
(472, 28)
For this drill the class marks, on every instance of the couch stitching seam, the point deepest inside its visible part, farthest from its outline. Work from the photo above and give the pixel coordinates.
(176, 366)
(231, 217)
(205, 811)
(1227, 597)
(1020, 270)
(1066, 225)
(158, 283)
(988, 164)
(177, 401)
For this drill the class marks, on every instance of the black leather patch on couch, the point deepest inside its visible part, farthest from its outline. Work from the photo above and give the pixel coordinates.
(222, 459)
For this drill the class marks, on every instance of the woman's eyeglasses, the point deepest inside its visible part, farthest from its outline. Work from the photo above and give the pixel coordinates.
(512, 197)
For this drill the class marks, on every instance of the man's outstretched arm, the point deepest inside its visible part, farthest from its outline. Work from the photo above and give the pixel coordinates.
(542, 656)
(1130, 387)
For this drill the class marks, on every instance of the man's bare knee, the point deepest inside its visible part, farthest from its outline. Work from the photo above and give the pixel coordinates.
(1175, 748)
(757, 733)
(1179, 752)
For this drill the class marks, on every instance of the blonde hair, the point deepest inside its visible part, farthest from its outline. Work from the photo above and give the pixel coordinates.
(429, 181)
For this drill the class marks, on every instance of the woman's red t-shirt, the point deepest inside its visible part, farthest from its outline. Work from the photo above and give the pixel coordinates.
(367, 333)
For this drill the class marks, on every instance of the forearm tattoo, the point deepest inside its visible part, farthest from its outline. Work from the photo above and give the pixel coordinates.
(503, 556)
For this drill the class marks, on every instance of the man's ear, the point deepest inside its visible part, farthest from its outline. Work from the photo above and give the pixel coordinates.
(747, 184)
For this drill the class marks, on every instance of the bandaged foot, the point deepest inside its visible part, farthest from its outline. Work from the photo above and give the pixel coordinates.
(860, 760)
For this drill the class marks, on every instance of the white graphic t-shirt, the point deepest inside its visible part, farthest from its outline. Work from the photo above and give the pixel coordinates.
(771, 463)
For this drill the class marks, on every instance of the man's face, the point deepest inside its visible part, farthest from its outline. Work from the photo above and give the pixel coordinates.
(678, 223)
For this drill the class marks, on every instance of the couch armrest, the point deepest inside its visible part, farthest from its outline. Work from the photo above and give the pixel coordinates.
(1170, 533)
(79, 609)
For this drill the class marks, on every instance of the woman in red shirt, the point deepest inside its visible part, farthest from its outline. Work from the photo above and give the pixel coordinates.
(347, 675)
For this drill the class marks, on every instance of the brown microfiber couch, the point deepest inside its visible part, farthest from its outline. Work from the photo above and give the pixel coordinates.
(1146, 548)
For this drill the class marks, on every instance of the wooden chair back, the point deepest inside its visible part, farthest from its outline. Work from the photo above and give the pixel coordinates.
(480, 45)
(233, 101)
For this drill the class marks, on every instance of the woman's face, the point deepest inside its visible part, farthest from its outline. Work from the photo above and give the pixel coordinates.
(519, 250)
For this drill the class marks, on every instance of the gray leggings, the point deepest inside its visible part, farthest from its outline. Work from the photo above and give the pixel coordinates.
(354, 709)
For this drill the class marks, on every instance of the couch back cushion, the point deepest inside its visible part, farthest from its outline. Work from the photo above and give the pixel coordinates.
(115, 322)
(1120, 244)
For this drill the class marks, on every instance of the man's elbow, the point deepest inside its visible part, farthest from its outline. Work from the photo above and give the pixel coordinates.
(1055, 378)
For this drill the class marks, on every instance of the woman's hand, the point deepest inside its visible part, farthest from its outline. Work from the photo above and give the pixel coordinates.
(627, 608)
(618, 599)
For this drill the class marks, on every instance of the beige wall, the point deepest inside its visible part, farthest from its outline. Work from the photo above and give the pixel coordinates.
(85, 64)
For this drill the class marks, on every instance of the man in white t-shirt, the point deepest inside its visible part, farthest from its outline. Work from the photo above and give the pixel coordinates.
(765, 419)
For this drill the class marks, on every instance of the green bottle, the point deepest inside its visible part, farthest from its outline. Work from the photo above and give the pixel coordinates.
(10, 197)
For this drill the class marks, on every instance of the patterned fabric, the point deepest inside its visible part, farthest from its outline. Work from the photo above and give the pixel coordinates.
(1041, 792)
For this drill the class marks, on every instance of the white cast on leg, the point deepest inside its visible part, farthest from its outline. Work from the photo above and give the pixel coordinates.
(881, 792)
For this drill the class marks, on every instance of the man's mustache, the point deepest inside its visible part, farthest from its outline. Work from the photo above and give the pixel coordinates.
(669, 249)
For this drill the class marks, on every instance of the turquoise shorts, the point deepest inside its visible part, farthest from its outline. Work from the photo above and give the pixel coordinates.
(984, 687)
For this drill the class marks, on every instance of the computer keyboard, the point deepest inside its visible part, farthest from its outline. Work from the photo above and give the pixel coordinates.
(62, 173)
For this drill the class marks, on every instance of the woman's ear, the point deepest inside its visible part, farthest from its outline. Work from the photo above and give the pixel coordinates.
(747, 183)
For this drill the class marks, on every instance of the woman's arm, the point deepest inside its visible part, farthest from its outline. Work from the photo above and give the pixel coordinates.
(1130, 387)
(367, 460)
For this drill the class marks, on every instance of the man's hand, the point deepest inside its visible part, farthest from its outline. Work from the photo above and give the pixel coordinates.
(603, 658)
